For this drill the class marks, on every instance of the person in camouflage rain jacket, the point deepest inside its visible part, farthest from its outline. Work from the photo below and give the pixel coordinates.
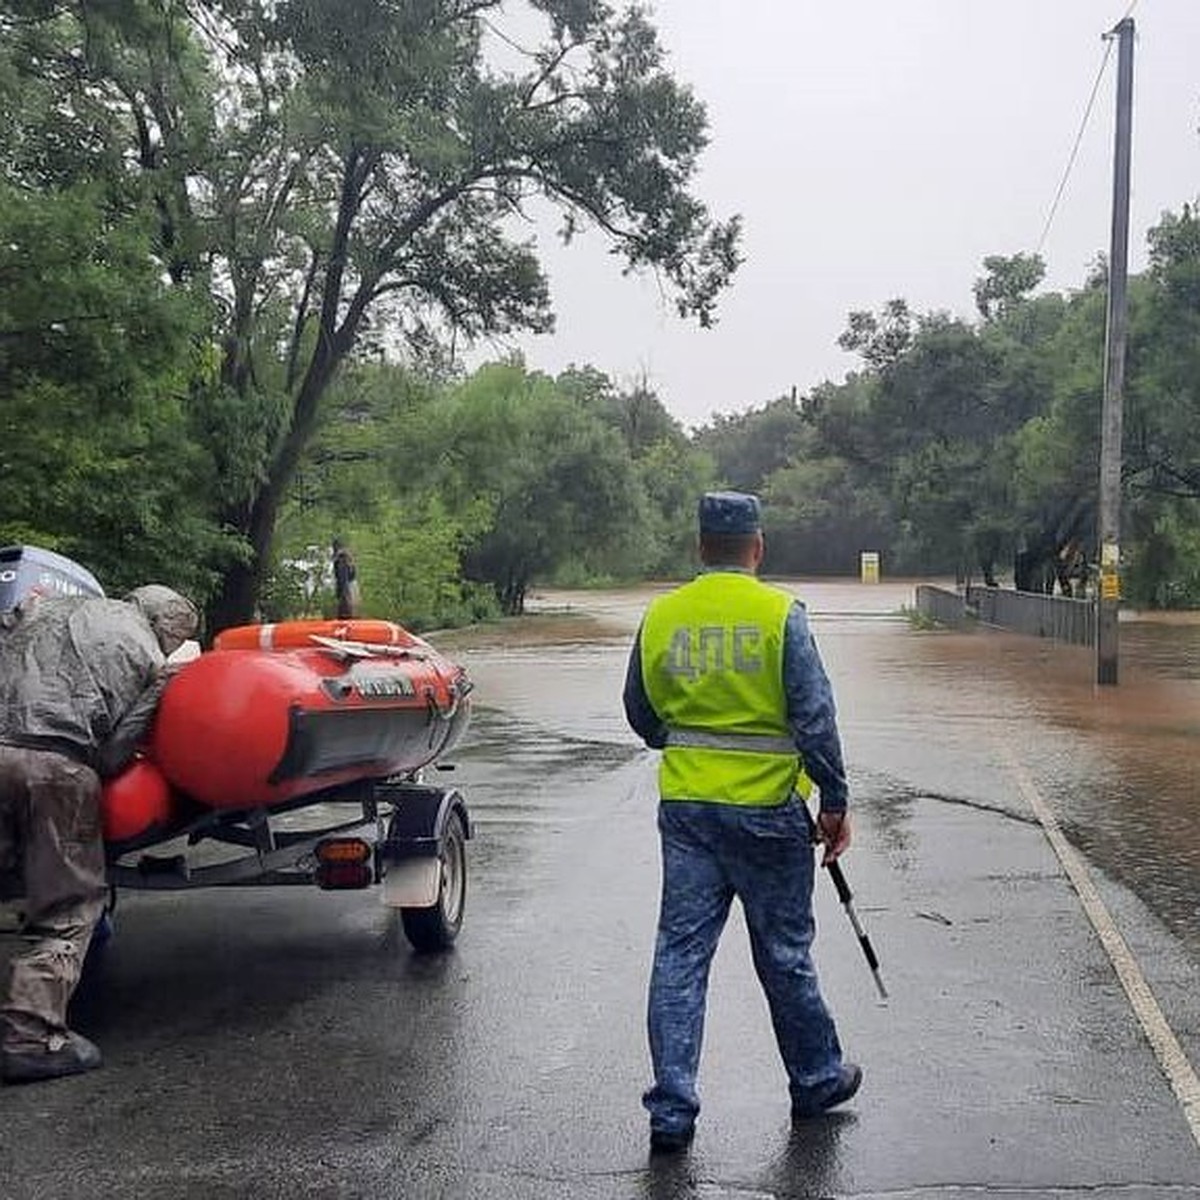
(80, 680)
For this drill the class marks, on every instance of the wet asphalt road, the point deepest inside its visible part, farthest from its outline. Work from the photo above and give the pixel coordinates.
(265, 1043)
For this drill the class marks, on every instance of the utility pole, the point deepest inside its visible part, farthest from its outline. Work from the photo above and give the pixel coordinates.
(1108, 600)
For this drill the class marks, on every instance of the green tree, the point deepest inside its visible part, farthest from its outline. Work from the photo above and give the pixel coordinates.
(370, 476)
(840, 414)
(880, 340)
(641, 419)
(562, 490)
(673, 477)
(748, 446)
(106, 367)
(821, 512)
(344, 173)
(102, 367)
(672, 471)
(1007, 284)
(933, 424)
(1163, 434)
(1161, 505)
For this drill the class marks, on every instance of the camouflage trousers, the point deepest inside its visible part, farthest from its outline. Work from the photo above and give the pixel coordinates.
(51, 841)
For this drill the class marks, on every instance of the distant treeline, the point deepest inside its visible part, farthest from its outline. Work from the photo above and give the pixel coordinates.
(973, 447)
(236, 242)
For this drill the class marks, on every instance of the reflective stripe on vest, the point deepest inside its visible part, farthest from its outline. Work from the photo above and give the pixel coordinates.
(712, 667)
(763, 743)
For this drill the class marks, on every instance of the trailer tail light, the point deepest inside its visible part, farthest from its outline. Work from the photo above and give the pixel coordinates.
(344, 863)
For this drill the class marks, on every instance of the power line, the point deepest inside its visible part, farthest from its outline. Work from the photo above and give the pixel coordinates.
(1087, 114)
(1062, 185)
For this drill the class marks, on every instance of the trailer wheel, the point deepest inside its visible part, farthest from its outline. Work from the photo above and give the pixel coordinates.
(433, 929)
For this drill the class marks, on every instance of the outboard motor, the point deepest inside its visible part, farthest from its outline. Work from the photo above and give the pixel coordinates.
(29, 571)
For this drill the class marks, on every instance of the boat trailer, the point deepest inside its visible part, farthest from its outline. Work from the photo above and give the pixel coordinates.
(400, 833)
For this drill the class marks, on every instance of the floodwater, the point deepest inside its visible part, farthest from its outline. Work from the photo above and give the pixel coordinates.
(1119, 766)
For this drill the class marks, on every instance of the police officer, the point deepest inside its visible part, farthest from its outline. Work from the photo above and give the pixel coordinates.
(80, 681)
(725, 679)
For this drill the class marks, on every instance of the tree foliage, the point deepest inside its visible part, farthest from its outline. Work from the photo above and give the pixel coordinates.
(1007, 284)
(223, 224)
(457, 496)
(748, 446)
(974, 448)
(560, 486)
(104, 373)
(340, 176)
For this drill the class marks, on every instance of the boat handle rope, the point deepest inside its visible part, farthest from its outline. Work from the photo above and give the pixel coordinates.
(459, 688)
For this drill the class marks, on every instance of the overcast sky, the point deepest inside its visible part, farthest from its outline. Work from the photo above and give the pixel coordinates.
(880, 148)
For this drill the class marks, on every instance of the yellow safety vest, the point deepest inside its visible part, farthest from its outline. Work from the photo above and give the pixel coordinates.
(712, 667)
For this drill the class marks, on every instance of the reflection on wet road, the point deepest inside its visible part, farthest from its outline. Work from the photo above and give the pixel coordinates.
(502, 768)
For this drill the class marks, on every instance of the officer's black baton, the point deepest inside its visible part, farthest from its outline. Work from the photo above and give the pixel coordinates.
(844, 895)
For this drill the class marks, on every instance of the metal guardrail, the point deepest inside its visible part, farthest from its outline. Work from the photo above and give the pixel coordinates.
(1059, 617)
(942, 605)
(1062, 618)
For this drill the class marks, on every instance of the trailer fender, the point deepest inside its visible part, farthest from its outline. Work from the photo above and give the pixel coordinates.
(409, 859)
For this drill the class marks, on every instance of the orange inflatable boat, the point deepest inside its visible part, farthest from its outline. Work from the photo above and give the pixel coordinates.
(276, 712)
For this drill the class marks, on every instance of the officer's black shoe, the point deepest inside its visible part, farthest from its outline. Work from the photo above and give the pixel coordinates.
(846, 1086)
(671, 1141)
(74, 1056)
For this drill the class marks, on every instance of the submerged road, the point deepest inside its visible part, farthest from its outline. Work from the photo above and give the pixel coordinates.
(1045, 987)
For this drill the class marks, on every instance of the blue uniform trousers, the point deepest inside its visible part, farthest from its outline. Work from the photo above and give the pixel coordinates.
(764, 856)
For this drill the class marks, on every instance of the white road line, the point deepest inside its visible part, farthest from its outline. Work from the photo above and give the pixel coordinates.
(1166, 1046)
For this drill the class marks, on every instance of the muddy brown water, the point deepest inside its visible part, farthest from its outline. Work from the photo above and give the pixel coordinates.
(1120, 765)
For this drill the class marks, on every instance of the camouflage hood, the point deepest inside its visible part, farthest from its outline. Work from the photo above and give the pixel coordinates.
(173, 617)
